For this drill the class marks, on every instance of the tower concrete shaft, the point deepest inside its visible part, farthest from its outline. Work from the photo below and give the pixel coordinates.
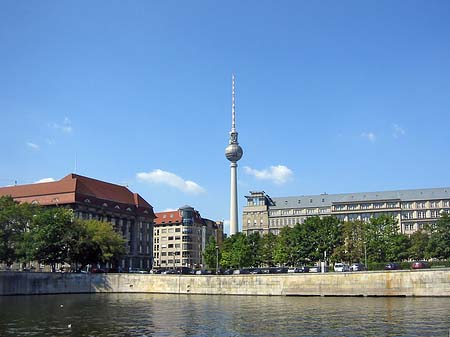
(233, 200)
(233, 152)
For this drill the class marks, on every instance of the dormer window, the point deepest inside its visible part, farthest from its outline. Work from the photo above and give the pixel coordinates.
(35, 202)
(146, 212)
(129, 209)
(87, 201)
(117, 207)
(105, 204)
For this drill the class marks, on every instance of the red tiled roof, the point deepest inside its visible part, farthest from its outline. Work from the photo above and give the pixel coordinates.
(168, 217)
(74, 187)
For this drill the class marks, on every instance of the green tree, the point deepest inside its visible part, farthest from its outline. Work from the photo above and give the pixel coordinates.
(384, 242)
(236, 252)
(418, 245)
(268, 243)
(255, 245)
(50, 237)
(14, 221)
(328, 235)
(351, 248)
(96, 242)
(285, 247)
(439, 242)
(210, 253)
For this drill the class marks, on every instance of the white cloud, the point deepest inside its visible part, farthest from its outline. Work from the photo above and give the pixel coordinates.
(370, 136)
(33, 146)
(169, 210)
(397, 131)
(44, 180)
(65, 127)
(278, 174)
(168, 178)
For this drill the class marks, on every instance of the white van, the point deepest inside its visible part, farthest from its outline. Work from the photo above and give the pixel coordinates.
(341, 267)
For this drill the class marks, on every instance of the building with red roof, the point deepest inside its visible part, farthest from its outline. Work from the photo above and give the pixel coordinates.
(90, 198)
(180, 238)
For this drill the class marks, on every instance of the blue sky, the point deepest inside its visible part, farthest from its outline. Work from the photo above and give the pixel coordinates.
(331, 96)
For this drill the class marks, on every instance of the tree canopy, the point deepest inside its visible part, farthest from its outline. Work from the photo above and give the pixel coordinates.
(53, 235)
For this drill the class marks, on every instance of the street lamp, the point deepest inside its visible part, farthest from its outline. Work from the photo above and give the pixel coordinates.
(217, 259)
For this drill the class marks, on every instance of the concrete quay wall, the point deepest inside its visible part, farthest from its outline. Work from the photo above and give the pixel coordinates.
(394, 283)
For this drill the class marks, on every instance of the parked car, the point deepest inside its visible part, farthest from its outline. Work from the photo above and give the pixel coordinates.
(240, 271)
(155, 271)
(170, 272)
(202, 272)
(341, 267)
(302, 269)
(357, 267)
(420, 265)
(392, 266)
(137, 271)
(255, 271)
(97, 271)
(228, 272)
(281, 270)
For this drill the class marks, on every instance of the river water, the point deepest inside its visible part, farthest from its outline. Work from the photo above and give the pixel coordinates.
(199, 315)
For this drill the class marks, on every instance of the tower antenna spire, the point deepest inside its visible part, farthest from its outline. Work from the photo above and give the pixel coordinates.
(233, 107)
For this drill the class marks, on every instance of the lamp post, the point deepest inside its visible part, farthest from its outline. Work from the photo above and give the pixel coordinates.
(217, 259)
(365, 255)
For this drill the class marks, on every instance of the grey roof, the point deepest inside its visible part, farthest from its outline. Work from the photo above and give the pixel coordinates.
(323, 200)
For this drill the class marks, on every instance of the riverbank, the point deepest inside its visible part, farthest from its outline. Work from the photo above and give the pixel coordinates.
(392, 283)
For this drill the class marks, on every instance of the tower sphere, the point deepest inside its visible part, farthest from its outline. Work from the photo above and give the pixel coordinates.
(233, 152)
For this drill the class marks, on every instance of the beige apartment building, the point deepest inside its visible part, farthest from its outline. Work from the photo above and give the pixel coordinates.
(412, 208)
(180, 237)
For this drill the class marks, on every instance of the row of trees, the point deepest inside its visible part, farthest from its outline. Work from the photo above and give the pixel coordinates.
(52, 235)
(378, 240)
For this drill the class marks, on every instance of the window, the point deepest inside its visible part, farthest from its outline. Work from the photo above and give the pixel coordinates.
(170, 238)
(421, 214)
(170, 230)
(421, 204)
(177, 230)
(163, 230)
(434, 204)
(435, 214)
(407, 215)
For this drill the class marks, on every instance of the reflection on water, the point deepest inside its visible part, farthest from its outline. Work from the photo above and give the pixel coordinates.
(195, 315)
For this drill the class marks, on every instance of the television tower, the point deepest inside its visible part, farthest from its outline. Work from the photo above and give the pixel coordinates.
(233, 152)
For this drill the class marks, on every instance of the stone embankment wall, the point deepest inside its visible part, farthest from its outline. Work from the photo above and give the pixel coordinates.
(394, 283)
